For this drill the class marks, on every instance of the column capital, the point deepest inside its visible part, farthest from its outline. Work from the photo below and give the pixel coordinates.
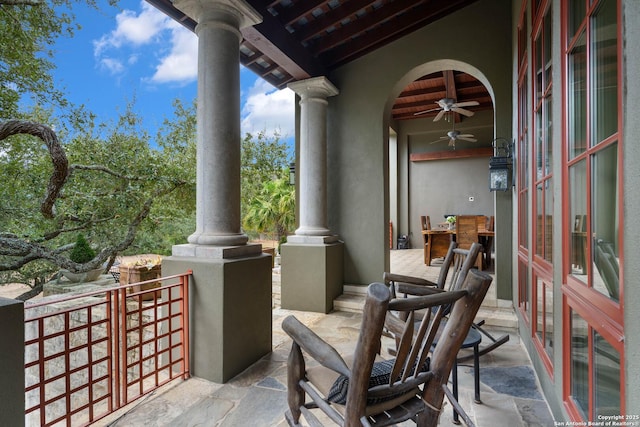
(314, 87)
(201, 10)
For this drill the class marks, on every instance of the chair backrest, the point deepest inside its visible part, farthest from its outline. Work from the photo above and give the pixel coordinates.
(466, 230)
(412, 366)
(425, 222)
(454, 270)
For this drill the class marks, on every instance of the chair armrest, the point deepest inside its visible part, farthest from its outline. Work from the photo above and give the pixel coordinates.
(392, 277)
(422, 302)
(315, 346)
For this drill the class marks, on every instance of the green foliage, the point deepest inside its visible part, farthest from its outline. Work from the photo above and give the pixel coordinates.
(82, 252)
(28, 31)
(264, 158)
(273, 210)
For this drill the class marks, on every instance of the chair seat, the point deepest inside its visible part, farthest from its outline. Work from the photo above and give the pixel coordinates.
(323, 378)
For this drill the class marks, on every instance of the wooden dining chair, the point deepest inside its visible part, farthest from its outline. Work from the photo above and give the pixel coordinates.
(425, 224)
(467, 234)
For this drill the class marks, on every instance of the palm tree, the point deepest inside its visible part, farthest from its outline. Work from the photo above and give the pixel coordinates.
(273, 211)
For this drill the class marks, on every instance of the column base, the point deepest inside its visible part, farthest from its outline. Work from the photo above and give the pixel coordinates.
(230, 312)
(312, 275)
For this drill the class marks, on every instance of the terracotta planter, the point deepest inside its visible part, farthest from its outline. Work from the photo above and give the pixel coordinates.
(135, 274)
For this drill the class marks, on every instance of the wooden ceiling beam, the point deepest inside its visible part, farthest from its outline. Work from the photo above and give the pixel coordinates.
(291, 14)
(273, 40)
(401, 25)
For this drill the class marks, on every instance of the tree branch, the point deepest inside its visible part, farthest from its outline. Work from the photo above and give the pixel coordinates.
(56, 152)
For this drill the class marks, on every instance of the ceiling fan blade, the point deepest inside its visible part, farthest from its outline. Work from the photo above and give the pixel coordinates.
(442, 138)
(464, 138)
(463, 111)
(425, 111)
(466, 104)
(465, 135)
(439, 115)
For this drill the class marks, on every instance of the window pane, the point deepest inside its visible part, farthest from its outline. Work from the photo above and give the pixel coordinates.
(577, 98)
(523, 287)
(544, 321)
(605, 72)
(580, 363)
(539, 220)
(540, 169)
(607, 378)
(546, 54)
(578, 219)
(539, 88)
(548, 226)
(548, 132)
(577, 10)
(524, 219)
(605, 222)
(539, 307)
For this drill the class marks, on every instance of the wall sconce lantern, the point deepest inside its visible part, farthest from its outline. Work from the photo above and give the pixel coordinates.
(501, 165)
(292, 173)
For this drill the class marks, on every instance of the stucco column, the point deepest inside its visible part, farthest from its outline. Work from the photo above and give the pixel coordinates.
(218, 144)
(312, 176)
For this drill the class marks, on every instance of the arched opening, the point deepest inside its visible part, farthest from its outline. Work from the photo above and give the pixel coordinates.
(441, 125)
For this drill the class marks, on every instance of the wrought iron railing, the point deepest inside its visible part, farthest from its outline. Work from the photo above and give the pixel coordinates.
(88, 355)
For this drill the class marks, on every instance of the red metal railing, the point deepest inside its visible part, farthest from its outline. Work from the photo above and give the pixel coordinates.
(88, 355)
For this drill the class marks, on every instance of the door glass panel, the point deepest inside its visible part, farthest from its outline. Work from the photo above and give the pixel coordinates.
(539, 221)
(577, 10)
(605, 222)
(548, 226)
(578, 220)
(548, 132)
(580, 363)
(524, 219)
(607, 377)
(605, 71)
(577, 98)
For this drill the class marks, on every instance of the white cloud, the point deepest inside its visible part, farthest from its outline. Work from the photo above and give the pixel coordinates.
(151, 33)
(133, 29)
(113, 66)
(181, 64)
(268, 109)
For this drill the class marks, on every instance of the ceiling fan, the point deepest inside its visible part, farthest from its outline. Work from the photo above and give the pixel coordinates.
(454, 135)
(448, 105)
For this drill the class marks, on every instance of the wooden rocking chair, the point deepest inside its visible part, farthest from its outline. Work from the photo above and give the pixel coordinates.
(364, 389)
(453, 271)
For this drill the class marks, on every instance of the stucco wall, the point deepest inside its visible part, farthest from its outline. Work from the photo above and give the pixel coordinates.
(631, 181)
(358, 120)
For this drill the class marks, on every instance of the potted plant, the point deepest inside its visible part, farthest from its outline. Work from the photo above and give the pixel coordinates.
(81, 254)
(452, 222)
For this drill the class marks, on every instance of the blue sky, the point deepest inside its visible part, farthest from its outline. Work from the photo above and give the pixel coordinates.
(136, 53)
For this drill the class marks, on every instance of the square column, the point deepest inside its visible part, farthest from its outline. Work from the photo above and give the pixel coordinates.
(230, 312)
(312, 276)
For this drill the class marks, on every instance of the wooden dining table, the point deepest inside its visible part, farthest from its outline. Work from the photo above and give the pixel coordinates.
(438, 242)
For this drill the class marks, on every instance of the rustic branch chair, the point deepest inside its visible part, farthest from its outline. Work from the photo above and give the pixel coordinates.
(452, 273)
(366, 390)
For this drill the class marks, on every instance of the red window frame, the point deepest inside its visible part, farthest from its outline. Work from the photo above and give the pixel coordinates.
(602, 314)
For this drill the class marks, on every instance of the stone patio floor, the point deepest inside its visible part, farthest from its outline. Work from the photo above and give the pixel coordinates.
(510, 392)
